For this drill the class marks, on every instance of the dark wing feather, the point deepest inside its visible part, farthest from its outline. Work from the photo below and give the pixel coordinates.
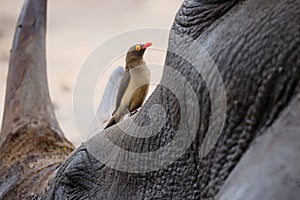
(122, 88)
(111, 122)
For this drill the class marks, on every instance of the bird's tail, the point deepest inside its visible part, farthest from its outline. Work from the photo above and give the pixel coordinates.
(111, 122)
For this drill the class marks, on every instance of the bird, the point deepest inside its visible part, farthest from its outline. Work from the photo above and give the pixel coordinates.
(134, 84)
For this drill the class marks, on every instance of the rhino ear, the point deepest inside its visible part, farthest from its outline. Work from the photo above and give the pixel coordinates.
(107, 105)
(30, 130)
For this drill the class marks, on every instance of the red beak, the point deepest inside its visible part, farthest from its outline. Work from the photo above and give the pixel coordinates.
(145, 46)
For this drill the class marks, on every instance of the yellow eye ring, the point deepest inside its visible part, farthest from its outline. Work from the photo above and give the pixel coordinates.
(137, 47)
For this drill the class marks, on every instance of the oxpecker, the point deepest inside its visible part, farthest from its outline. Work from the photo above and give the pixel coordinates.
(134, 84)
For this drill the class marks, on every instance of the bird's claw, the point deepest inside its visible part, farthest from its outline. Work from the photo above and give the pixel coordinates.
(133, 113)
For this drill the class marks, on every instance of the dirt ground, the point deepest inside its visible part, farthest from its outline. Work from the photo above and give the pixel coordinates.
(75, 29)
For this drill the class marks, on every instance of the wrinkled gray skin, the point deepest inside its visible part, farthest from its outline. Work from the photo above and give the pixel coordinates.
(256, 45)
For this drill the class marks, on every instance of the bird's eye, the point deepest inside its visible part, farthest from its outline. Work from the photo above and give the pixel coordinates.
(137, 47)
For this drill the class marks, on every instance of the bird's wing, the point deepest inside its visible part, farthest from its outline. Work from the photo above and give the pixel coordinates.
(122, 88)
(138, 97)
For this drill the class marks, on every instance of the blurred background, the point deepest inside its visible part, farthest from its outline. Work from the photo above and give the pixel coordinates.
(75, 29)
